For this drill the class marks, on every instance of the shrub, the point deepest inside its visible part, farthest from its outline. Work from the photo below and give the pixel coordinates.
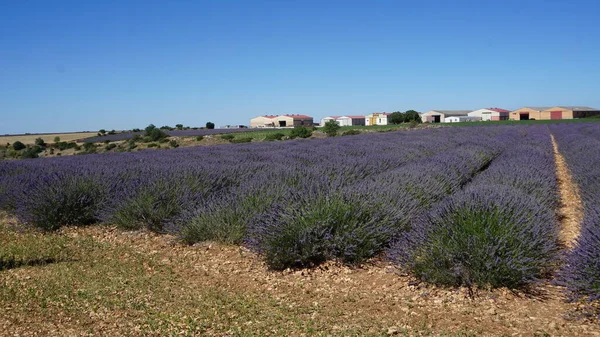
(199, 138)
(581, 273)
(152, 145)
(486, 235)
(228, 137)
(222, 220)
(331, 128)
(153, 134)
(274, 136)
(154, 205)
(110, 147)
(300, 132)
(17, 146)
(89, 147)
(173, 143)
(397, 117)
(32, 152)
(318, 227)
(56, 139)
(59, 200)
(352, 132)
(40, 142)
(242, 140)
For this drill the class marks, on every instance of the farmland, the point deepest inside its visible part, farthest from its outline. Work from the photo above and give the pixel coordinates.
(446, 212)
(47, 137)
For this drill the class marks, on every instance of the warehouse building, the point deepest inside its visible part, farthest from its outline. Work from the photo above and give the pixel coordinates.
(281, 121)
(491, 114)
(439, 116)
(570, 112)
(351, 120)
(531, 112)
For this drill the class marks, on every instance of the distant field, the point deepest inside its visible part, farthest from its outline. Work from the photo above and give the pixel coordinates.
(47, 137)
(171, 133)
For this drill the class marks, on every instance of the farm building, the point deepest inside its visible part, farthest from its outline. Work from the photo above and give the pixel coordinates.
(377, 118)
(281, 121)
(351, 120)
(328, 118)
(531, 112)
(491, 114)
(263, 121)
(456, 119)
(439, 116)
(570, 112)
(293, 120)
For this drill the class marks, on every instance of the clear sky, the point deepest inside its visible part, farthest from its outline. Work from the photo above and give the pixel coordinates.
(86, 65)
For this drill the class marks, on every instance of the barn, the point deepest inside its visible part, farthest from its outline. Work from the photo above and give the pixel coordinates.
(570, 112)
(491, 114)
(531, 112)
(293, 120)
(351, 120)
(267, 121)
(438, 116)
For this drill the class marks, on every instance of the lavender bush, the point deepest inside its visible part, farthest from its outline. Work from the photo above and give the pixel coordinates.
(580, 145)
(490, 233)
(484, 235)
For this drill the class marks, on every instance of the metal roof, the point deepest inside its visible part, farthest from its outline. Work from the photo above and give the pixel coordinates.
(453, 112)
(578, 108)
(538, 108)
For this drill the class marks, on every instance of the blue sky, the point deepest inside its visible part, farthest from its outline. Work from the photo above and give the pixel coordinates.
(87, 65)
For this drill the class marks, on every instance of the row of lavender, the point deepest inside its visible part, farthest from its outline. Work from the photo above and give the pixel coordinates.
(580, 145)
(303, 202)
(499, 230)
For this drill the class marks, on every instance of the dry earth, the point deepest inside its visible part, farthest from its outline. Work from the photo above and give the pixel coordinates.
(139, 283)
(571, 208)
(48, 138)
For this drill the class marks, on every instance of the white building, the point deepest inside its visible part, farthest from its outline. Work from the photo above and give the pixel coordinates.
(439, 116)
(351, 120)
(456, 119)
(327, 119)
(491, 114)
(377, 118)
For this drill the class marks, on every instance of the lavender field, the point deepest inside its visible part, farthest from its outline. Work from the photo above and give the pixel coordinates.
(452, 206)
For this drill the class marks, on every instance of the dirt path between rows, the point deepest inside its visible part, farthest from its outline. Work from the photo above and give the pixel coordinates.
(571, 208)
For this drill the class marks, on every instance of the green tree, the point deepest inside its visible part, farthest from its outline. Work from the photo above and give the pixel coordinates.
(17, 146)
(331, 128)
(153, 133)
(40, 142)
(397, 117)
(210, 125)
(179, 126)
(412, 115)
(102, 132)
(56, 139)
